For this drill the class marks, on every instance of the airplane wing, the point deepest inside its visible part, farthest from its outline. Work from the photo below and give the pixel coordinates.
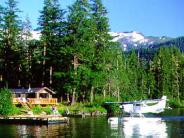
(122, 102)
(135, 102)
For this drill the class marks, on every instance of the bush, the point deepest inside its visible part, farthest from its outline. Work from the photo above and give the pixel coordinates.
(111, 108)
(175, 103)
(6, 104)
(101, 109)
(90, 109)
(61, 111)
(15, 110)
(37, 110)
(47, 110)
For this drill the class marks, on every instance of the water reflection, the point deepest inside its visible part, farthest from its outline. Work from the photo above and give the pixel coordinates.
(144, 127)
(139, 127)
(42, 131)
(100, 128)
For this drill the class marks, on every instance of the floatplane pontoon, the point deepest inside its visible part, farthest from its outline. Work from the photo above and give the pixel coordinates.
(138, 108)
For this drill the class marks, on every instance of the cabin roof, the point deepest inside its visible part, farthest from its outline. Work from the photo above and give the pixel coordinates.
(31, 90)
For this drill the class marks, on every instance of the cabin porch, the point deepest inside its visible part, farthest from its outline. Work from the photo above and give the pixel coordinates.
(34, 96)
(36, 101)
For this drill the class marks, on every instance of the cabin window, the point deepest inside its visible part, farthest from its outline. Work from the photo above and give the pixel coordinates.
(44, 95)
(31, 95)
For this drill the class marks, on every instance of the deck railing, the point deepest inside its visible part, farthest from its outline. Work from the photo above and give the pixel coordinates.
(43, 101)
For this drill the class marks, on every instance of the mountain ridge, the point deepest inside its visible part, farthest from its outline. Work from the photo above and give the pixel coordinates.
(136, 40)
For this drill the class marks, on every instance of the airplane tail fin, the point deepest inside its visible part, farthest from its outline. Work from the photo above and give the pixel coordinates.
(164, 98)
(163, 102)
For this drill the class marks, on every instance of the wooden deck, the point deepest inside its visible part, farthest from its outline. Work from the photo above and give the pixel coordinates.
(49, 119)
(35, 101)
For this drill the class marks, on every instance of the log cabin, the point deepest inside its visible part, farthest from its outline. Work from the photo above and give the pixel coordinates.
(34, 96)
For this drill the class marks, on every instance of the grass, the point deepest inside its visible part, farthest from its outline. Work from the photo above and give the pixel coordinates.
(80, 107)
(63, 108)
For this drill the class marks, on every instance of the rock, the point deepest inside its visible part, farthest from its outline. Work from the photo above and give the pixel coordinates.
(97, 113)
(43, 113)
(30, 113)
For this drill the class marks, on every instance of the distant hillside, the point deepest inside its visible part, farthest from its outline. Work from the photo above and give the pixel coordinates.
(178, 42)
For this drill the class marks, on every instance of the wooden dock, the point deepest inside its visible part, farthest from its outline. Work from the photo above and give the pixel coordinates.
(37, 120)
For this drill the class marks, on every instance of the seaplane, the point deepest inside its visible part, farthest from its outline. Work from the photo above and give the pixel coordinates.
(139, 108)
(136, 119)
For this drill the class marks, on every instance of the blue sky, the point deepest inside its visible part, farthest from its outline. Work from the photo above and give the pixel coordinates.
(150, 17)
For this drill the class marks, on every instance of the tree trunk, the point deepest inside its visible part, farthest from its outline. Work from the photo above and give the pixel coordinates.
(177, 85)
(118, 94)
(75, 62)
(68, 97)
(61, 99)
(30, 68)
(1, 77)
(19, 71)
(104, 92)
(6, 84)
(92, 95)
(149, 91)
(44, 63)
(6, 72)
(50, 73)
(109, 89)
(83, 96)
(73, 96)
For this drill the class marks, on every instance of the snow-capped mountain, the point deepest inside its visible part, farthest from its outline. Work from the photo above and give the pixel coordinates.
(129, 40)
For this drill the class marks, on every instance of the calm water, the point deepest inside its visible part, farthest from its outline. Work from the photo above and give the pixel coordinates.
(169, 126)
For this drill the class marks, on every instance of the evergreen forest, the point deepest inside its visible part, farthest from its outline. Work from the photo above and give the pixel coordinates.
(76, 57)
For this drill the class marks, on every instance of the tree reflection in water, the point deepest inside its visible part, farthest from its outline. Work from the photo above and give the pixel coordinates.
(43, 130)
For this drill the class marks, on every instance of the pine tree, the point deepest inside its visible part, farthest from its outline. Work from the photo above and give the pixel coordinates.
(26, 55)
(181, 82)
(133, 68)
(142, 78)
(80, 45)
(10, 40)
(118, 75)
(1, 46)
(162, 71)
(150, 80)
(52, 25)
(35, 66)
(104, 47)
(1, 21)
(175, 72)
(26, 29)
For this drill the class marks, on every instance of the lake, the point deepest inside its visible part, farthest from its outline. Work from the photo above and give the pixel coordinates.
(171, 124)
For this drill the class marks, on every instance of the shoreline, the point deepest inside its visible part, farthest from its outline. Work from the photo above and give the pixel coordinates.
(33, 119)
